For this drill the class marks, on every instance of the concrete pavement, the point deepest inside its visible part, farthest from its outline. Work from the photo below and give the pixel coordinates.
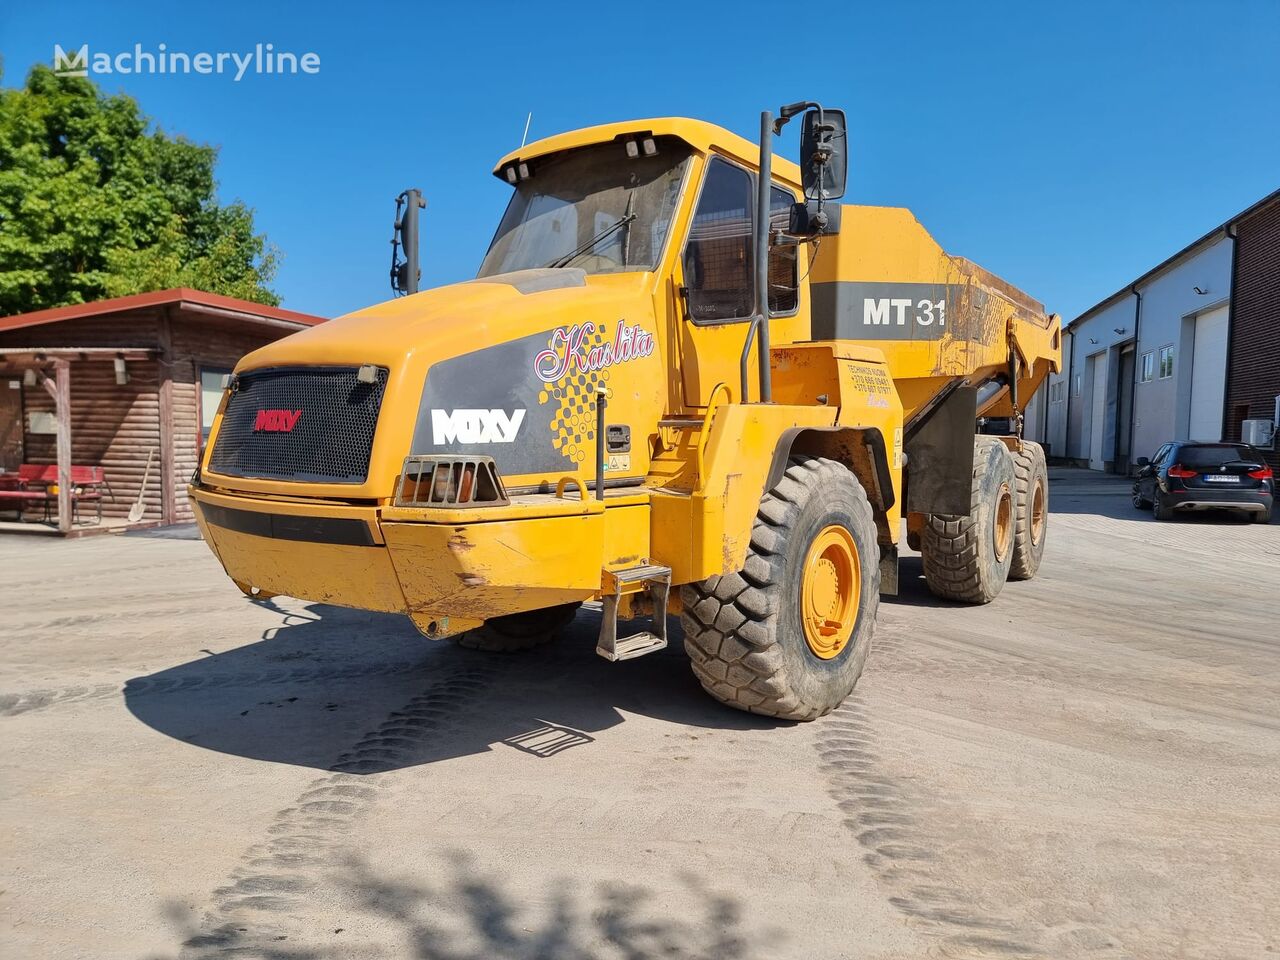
(1085, 768)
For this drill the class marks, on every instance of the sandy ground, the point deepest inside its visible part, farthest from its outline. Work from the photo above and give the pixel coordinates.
(1085, 768)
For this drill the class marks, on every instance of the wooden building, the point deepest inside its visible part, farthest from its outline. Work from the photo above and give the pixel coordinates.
(112, 383)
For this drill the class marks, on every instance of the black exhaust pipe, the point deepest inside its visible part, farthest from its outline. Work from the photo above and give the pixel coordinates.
(405, 272)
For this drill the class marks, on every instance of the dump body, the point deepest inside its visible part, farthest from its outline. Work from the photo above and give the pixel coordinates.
(939, 319)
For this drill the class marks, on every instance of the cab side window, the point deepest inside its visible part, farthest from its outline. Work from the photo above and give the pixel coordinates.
(784, 292)
(718, 257)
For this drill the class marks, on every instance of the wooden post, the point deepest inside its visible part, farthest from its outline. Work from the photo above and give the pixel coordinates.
(168, 494)
(60, 390)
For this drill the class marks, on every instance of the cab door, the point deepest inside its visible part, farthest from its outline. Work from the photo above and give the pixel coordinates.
(715, 277)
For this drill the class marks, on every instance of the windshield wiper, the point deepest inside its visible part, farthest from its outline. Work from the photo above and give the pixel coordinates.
(575, 253)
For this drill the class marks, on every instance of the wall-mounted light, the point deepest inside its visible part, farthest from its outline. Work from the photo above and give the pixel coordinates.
(1118, 330)
(1200, 292)
(122, 372)
(1093, 339)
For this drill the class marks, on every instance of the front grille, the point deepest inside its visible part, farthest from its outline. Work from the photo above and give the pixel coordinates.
(306, 424)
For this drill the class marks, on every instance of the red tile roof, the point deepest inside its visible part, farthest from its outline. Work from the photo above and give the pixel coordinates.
(177, 295)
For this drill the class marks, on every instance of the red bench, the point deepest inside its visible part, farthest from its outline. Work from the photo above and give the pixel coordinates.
(38, 483)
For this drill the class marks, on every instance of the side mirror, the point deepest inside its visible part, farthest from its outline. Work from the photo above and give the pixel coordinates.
(824, 157)
(1143, 462)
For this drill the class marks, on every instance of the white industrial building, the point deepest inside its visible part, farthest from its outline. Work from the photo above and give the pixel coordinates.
(1148, 364)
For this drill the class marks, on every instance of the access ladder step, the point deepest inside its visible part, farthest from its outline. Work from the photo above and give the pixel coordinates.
(646, 572)
(636, 645)
(658, 580)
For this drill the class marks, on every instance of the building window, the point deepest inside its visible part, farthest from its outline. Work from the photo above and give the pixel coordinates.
(210, 397)
(1166, 362)
(1055, 392)
(1147, 369)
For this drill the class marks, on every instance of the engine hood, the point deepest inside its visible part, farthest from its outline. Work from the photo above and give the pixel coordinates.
(505, 366)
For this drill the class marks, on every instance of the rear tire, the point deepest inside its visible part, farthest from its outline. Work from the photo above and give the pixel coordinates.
(967, 558)
(1159, 510)
(756, 638)
(1031, 489)
(1263, 517)
(519, 631)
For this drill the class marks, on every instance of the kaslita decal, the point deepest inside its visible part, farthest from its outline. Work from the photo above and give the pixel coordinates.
(475, 426)
(574, 368)
(276, 421)
(582, 348)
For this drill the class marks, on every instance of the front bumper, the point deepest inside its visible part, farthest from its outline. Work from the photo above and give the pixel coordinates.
(449, 570)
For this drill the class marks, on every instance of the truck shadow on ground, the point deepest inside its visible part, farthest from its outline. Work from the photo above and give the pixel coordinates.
(358, 692)
(453, 909)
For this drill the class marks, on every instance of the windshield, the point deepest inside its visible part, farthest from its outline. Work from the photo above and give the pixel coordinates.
(574, 196)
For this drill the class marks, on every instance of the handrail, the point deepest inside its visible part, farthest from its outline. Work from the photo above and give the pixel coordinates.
(746, 355)
(706, 430)
(576, 481)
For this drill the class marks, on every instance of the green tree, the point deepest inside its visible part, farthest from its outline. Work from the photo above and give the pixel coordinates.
(96, 203)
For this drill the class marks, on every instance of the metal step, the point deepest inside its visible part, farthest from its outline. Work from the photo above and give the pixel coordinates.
(636, 645)
(647, 572)
(609, 645)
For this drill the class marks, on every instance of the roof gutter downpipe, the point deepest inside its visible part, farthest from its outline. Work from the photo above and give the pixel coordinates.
(1227, 427)
(1137, 355)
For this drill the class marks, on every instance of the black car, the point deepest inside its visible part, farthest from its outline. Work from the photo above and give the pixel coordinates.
(1205, 476)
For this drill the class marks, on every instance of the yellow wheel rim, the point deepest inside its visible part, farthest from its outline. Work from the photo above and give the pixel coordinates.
(830, 592)
(1003, 522)
(1037, 513)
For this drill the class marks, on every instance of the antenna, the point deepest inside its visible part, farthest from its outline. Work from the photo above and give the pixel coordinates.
(528, 120)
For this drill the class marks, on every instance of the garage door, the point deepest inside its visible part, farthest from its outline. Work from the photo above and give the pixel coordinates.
(1208, 375)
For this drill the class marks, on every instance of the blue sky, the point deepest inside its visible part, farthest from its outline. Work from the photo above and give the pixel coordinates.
(1067, 147)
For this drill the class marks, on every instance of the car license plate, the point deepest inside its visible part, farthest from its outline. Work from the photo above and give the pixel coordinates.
(1221, 478)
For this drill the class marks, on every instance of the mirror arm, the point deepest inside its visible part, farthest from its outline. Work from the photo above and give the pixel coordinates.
(790, 110)
(764, 184)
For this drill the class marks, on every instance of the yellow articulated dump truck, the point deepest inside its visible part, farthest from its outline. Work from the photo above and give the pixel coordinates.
(685, 380)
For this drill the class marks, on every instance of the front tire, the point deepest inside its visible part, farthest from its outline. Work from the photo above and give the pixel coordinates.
(1139, 501)
(967, 558)
(788, 635)
(517, 632)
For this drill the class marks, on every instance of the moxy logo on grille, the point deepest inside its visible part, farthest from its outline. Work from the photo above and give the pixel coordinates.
(263, 59)
(276, 421)
(568, 354)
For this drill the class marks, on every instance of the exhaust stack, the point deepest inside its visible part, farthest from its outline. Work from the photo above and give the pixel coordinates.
(405, 272)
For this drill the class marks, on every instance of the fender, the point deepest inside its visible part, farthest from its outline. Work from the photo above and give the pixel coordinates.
(840, 443)
(863, 451)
